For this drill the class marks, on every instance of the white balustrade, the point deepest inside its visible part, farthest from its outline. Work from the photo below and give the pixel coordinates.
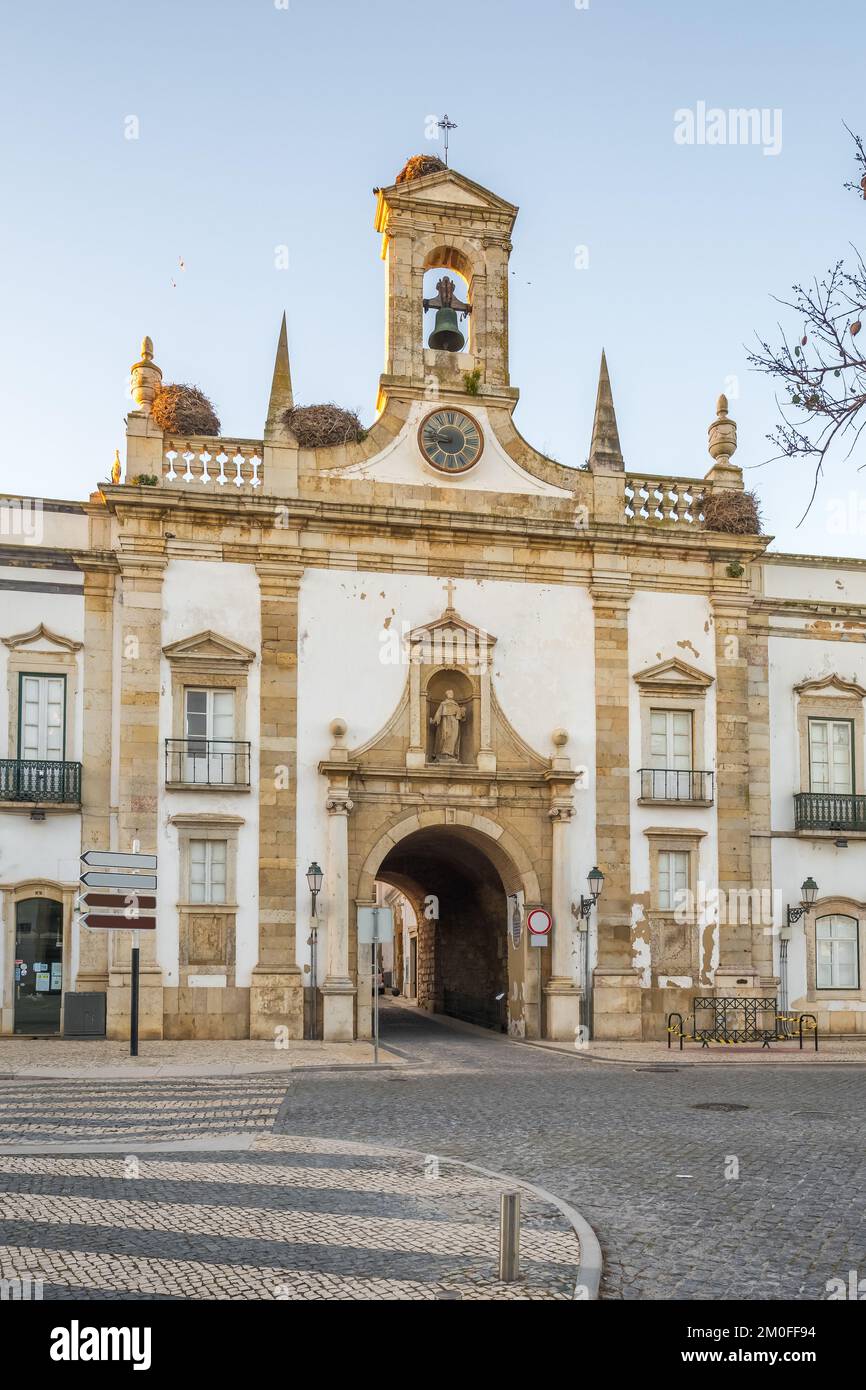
(677, 501)
(236, 462)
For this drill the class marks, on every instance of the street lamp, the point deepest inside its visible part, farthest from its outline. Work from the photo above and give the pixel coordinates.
(595, 879)
(809, 891)
(315, 878)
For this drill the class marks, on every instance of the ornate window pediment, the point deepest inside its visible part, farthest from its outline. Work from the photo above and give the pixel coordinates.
(44, 635)
(673, 677)
(830, 683)
(208, 651)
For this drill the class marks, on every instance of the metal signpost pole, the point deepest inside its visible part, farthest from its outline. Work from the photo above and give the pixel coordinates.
(133, 999)
(375, 987)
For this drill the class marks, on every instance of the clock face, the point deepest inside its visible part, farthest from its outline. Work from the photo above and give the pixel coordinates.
(450, 441)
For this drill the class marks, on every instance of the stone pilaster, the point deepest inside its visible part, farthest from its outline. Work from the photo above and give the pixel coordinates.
(276, 988)
(759, 793)
(612, 771)
(616, 998)
(562, 992)
(139, 762)
(730, 615)
(98, 658)
(338, 991)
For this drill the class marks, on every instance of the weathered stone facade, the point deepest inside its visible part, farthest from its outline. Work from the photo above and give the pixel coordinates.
(299, 616)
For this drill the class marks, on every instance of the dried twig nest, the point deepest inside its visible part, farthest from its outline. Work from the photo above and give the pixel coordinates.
(737, 513)
(418, 166)
(323, 426)
(181, 409)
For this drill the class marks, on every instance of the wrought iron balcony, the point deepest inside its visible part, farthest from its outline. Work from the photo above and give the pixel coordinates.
(675, 784)
(829, 811)
(43, 781)
(207, 762)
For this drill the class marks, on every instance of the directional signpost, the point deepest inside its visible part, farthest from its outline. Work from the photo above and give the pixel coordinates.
(126, 906)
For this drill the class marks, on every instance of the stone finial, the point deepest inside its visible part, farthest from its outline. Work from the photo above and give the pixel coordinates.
(722, 434)
(338, 728)
(281, 398)
(605, 454)
(145, 377)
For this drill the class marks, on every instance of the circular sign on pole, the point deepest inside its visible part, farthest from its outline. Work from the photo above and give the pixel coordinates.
(539, 921)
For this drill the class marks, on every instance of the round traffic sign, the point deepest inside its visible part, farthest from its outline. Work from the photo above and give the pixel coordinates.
(539, 921)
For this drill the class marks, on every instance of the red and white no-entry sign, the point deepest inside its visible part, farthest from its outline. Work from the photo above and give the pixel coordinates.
(539, 921)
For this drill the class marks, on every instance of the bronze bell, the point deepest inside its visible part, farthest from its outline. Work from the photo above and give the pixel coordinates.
(446, 336)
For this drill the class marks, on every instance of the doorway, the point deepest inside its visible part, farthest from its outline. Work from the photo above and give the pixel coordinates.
(38, 965)
(463, 962)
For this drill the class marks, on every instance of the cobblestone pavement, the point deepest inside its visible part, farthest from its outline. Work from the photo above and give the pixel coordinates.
(630, 1150)
(290, 1219)
(34, 1111)
(104, 1058)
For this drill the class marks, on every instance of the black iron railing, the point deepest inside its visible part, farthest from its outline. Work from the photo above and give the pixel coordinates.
(485, 1012)
(675, 784)
(829, 811)
(40, 780)
(207, 762)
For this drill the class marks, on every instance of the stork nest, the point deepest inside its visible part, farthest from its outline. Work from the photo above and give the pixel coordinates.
(323, 426)
(418, 166)
(737, 513)
(181, 409)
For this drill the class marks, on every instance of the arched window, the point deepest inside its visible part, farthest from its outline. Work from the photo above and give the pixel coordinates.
(837, 952)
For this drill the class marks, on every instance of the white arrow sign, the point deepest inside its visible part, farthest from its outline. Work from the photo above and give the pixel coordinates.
(119, 880)
(113, 859)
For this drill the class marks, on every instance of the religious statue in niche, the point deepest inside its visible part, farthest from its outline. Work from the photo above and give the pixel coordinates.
(446, 721)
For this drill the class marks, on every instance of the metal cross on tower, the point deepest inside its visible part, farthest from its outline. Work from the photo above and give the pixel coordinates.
(445, 125)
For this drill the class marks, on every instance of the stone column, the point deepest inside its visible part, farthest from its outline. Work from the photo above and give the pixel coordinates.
(98, 659)
(758, 659)
(338, 991)
(276, 986)
(617, 996)
(730, 615)
(139, 758)
(562, 991)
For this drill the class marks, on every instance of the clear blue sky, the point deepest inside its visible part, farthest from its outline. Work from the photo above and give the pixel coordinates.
(262, 126)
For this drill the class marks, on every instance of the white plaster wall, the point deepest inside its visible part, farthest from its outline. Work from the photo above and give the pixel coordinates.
(837, 871)
(829, 582)
(543, 675)
(403, 462)
(46, 849)
(224, 597)
(793, 660)
(660, 627)
(30, 521)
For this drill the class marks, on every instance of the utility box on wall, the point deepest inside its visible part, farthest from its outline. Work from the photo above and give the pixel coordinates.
(84, 1015)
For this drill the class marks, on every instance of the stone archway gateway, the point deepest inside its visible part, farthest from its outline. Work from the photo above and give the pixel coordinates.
(463, 884)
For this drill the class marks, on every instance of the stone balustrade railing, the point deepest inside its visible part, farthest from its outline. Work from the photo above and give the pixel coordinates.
(674, 501)
(216, 463)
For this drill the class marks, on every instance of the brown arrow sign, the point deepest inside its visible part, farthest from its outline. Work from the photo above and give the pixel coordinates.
(94, 919)
(142, 900)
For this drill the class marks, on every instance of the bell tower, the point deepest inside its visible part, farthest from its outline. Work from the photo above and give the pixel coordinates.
(442, 220)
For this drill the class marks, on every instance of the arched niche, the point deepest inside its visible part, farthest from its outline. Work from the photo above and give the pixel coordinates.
(464, 692)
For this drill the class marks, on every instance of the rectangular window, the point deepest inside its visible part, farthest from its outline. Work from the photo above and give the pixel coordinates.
(836, 952)
(209, 730)
(831, 768)
(673, 872)
(671, 754)
(207, 871)
(42, 717)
